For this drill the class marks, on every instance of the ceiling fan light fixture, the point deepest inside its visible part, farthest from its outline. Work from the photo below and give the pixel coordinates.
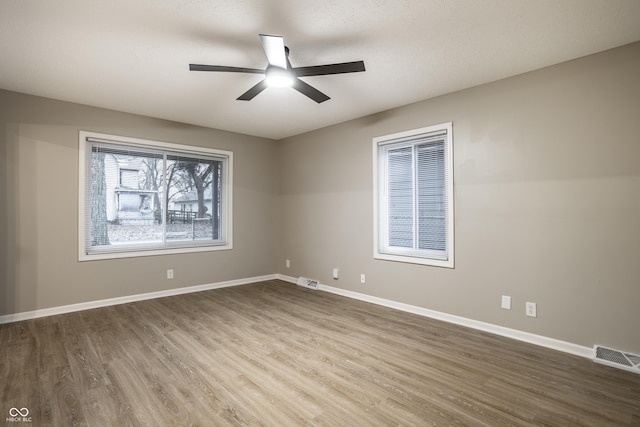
(280, 73)
(278, 77)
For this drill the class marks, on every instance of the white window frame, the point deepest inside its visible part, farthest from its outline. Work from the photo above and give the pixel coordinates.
(381, 249)
(165, 248)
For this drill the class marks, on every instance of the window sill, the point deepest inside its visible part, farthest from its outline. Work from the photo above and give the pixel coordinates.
(414, 260)
(134, 253)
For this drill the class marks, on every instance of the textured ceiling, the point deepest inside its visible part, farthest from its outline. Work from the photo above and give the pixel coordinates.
(133, 55)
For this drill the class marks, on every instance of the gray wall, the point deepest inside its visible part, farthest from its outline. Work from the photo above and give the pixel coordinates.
(39, 265)
(547, 202)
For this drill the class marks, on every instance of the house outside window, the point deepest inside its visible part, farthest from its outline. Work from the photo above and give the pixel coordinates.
(413, 196)
(131, 193)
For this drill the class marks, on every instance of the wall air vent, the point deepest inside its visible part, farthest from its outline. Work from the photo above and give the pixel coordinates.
(308, 283)
(616, 358)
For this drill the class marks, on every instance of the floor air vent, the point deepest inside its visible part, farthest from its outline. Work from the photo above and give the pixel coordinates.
(617, 359)
(308, 283)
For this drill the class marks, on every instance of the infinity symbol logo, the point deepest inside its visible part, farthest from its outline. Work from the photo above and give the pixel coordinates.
(14, 412)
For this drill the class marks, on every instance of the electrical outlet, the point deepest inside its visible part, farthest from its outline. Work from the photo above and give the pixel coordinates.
(363, 279)
(170, 274)
(335, 273)
(506, 302)
(532, 309)
(287, 263)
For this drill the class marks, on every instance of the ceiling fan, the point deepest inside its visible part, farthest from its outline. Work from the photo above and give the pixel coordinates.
(280, 73)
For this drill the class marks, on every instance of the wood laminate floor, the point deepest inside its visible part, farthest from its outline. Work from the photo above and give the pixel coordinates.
(274, 354)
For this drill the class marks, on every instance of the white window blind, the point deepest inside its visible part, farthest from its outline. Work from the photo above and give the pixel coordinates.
(414, 221)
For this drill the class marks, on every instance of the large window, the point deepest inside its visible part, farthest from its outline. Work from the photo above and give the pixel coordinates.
(414, 196)
(140, 197)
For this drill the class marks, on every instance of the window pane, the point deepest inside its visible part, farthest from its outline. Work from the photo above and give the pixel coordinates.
(400, 193)
(194, 188)
(431, 196)
(125, 197)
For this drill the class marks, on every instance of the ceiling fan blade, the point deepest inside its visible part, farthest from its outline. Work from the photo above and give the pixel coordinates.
(274, 49)
(251, 93)
(322, 70)
(309, 91)
(200, 67)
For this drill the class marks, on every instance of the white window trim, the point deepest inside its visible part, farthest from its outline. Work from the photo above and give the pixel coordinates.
(377, 217)
(227, 201)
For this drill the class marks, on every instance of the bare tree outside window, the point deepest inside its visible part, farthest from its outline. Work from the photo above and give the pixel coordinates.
(99, 231)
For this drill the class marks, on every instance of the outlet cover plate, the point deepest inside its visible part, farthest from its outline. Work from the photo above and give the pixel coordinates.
(532, 309)
(506, 302)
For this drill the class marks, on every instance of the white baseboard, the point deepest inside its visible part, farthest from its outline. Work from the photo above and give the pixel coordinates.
(8, 318)
(527, 337)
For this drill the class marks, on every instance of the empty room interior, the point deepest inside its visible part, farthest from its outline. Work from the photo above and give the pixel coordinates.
(346, 213)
